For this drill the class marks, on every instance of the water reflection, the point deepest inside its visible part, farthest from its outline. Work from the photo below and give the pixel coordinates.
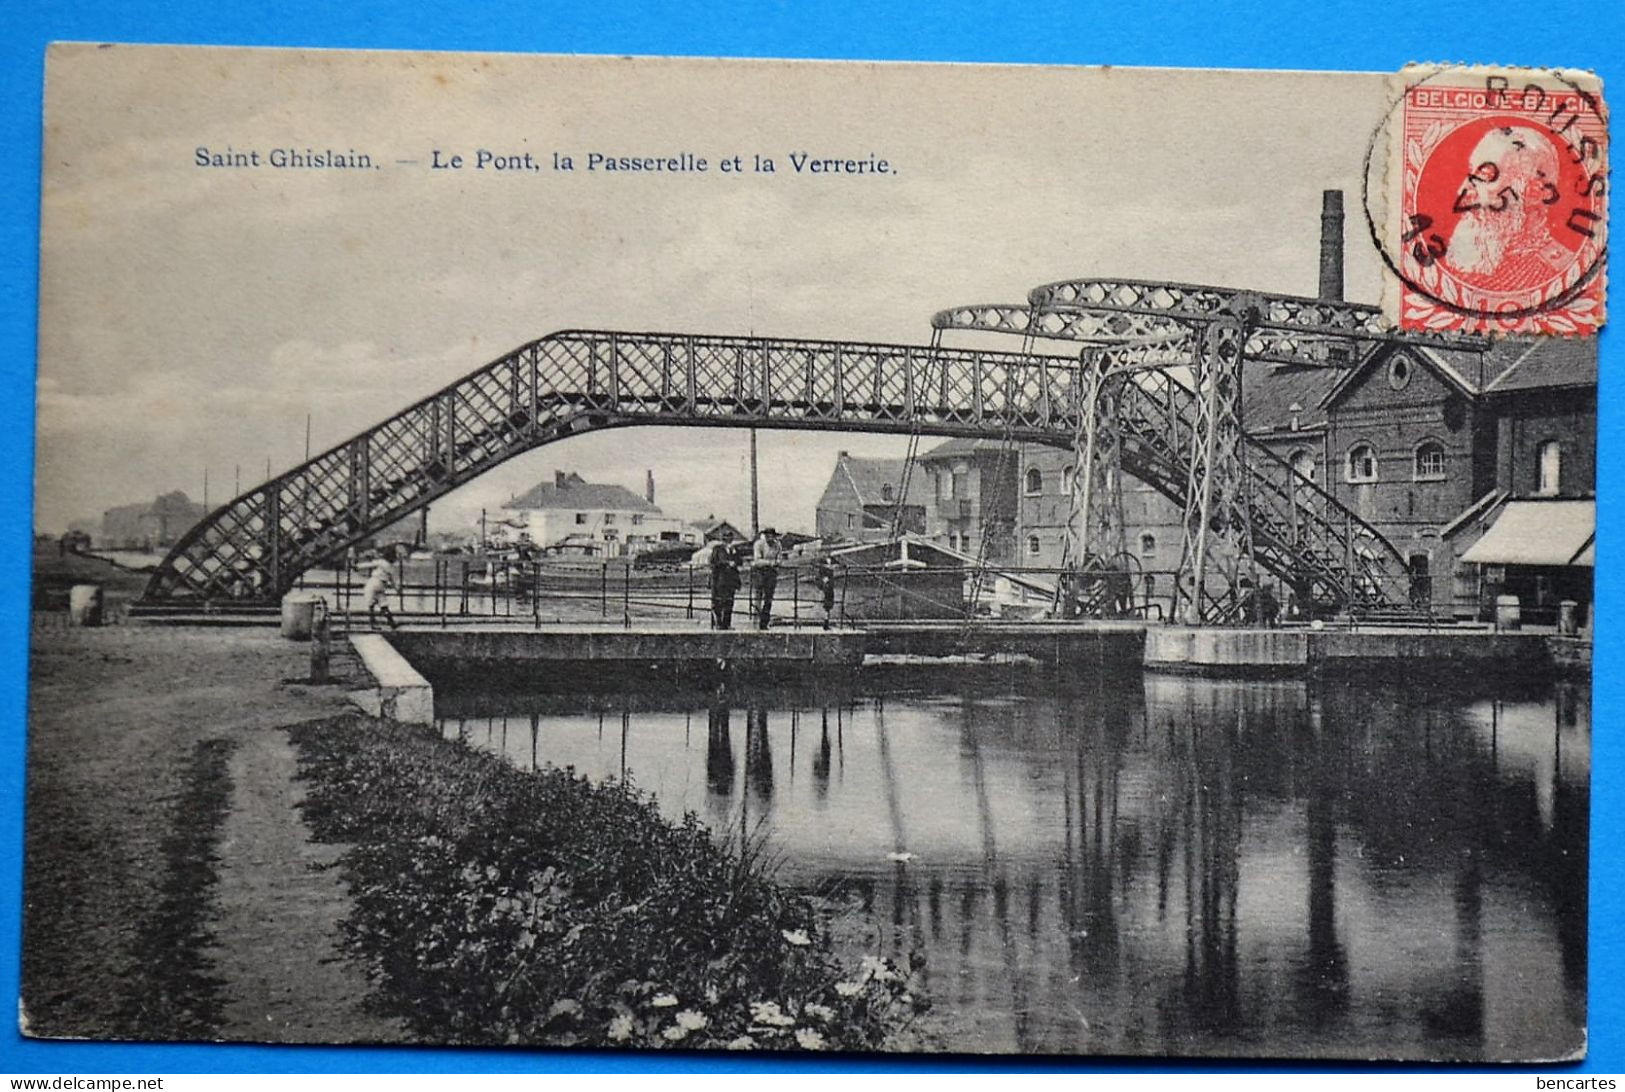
(1170, 865)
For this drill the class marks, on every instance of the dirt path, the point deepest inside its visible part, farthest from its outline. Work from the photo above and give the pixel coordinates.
(116, 720)
(280, 908)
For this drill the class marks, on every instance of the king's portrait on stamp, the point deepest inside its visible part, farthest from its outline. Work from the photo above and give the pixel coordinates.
(682, 554)
(1497, 183)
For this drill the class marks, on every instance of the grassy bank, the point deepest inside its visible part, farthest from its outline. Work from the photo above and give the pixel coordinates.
(495, 906)
(167, 891)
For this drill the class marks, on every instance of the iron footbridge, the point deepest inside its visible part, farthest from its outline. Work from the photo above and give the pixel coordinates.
(1153, 391)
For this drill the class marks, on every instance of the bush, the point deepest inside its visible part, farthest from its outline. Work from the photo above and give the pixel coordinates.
(497, 906)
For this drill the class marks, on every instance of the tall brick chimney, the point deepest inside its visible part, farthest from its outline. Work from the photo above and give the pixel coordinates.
(649, 486)
(1331, 245)
(559, 480)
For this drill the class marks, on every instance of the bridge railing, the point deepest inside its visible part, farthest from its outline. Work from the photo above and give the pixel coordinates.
(462, 590)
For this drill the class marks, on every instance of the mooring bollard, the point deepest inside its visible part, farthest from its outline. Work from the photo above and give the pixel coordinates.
(1568, 613)
(85, 603)
(321, 645)
(298, 615)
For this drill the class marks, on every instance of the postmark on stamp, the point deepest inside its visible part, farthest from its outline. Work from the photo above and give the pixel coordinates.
(1486, 195)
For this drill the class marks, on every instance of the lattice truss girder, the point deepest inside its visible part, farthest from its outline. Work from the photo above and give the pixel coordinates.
(1141, 341)
(1217, 524)
(1199, 303)
(1093, 549)
(1155, 332)
(254, 547)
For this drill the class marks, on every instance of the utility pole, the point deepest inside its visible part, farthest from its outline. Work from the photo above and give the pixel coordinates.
(205, 489)
(755, 508)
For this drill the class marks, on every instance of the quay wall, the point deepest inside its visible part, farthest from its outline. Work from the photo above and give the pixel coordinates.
(577, 658)
(582, 656)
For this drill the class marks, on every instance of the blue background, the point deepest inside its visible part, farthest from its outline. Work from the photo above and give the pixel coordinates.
(1342, 35)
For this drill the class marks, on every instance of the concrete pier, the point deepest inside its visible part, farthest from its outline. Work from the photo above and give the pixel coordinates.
(1209, 650)
(398, 691)
(1205, 650)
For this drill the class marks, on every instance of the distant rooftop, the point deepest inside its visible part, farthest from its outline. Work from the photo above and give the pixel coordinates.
(873, 478)
(571, 491)
(961, 445)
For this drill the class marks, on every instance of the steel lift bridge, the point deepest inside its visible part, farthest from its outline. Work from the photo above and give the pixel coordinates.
(1153, 389)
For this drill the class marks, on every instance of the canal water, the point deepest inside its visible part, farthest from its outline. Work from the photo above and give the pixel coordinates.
(1157, 865)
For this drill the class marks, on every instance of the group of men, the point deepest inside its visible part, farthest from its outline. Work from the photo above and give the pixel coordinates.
(765, 554)
(726, 581)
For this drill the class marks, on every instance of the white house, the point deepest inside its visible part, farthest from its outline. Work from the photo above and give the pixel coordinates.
(573, 515)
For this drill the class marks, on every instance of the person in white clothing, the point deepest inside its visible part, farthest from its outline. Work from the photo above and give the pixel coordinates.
(375, 594)
(765, 572)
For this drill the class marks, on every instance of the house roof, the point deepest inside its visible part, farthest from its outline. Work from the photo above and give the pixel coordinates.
(1269, 393)
(571, 491)
(962, 445)
(870, 477)
(1509, 364)
(1458, 369)
(1544, 362)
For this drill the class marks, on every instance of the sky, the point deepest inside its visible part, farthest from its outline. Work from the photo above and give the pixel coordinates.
(192, 317)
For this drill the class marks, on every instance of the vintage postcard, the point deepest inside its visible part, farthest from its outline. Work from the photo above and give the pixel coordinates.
(784, 556)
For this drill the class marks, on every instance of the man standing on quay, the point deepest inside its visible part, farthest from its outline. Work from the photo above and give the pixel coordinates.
(724, 586)
(765, 570)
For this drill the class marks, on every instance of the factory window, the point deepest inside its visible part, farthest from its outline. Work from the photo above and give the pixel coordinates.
(1032, 545)
(1551, 468)
(1429, 461)
(1067, 473)
(1148, 545)
(886, 492)
(581, 519)
(851, 520)
(1399, 373)
(609, 518)
(1303, 464)
(637, 520)
(1362, 463)
(1035, 481)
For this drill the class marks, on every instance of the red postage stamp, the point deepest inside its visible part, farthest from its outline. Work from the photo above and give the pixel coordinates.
(1497, 202)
